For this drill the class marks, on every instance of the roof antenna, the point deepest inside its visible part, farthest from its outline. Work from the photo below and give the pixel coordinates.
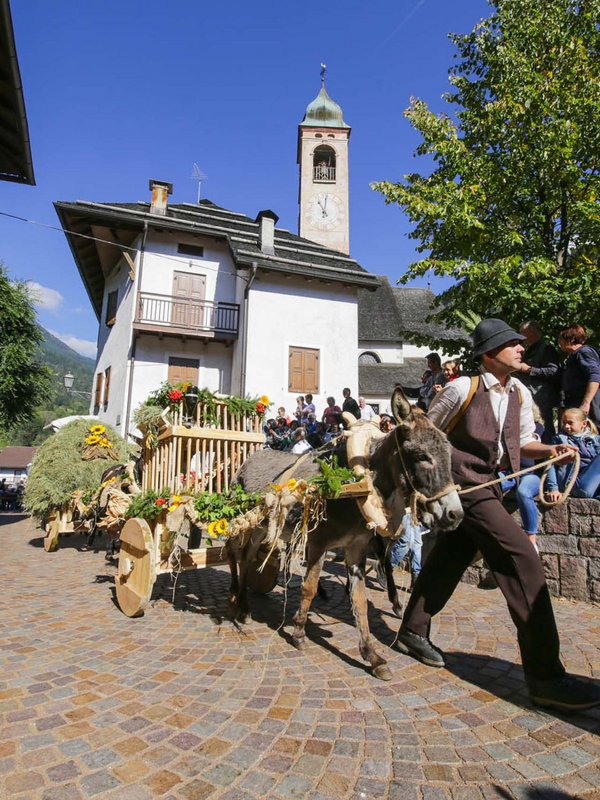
(323, 70)
(198, 175)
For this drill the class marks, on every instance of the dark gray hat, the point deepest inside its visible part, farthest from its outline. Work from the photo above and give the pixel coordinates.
(492, 333)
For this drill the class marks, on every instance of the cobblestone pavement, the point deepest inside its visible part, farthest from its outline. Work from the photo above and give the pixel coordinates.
(180, 703)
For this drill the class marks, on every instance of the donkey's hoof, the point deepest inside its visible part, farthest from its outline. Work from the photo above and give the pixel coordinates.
(383, 672)
(397, 609)
(299, 642)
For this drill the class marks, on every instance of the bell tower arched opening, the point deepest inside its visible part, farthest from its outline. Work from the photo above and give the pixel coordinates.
(324, 163)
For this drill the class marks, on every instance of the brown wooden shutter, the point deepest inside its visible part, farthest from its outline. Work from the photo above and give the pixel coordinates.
(106, 385)
(111, 308)
(183, 370)
(303, 370)
(98, 391)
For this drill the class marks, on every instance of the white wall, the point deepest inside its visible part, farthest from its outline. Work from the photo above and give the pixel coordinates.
(284, 313)
(113, 347)
(161, 260)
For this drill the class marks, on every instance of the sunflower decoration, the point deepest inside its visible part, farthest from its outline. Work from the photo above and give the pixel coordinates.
(262, 404)
(97, 445)
(218, 528)
(175, 502)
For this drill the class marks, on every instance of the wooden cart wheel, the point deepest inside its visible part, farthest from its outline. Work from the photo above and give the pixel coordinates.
(52, 528)
(137, 567)
(265, 580)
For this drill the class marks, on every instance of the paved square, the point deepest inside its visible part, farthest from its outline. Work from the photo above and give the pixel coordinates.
(181, 703)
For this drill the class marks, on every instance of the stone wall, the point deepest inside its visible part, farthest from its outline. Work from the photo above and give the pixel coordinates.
(569, 545)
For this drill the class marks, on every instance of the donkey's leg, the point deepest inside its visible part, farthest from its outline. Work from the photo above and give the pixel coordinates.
(233, 553)
(382, 551)
(355, 561)
(314, 564)
(250, 555)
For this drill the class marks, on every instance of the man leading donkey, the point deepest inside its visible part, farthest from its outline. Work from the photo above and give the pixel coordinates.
(489, 431)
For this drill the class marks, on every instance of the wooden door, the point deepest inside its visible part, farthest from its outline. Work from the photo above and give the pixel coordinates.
(188, 300)
(183, 370)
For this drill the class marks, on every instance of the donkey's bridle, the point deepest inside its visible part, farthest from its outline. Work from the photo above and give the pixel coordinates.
(417, 496)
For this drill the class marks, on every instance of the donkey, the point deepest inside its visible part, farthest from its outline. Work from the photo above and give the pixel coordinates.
(411, 462)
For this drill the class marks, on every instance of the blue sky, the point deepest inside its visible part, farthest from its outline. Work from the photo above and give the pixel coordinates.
(120, 92)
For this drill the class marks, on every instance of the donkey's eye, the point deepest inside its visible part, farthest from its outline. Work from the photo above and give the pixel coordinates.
(424, 458)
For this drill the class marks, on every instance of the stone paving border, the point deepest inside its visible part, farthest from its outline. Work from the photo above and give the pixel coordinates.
(183, 704)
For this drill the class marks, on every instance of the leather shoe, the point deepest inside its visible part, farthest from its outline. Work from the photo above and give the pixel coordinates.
(488, 582)
(567, 693)
(419, 647)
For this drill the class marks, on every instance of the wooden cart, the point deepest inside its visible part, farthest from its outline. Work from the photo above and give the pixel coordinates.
(142, 559)
(60, 522)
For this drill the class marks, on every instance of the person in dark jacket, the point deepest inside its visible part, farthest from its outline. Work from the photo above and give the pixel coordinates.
(540, 372)
(490, 434)
(350, 404)
(581, 373)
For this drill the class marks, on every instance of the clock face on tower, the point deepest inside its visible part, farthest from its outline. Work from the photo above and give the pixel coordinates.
(324, 211)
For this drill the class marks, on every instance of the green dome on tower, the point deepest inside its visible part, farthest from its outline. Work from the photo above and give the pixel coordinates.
(323, 112)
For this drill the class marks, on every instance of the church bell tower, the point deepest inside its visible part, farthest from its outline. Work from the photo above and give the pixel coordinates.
(323, 160)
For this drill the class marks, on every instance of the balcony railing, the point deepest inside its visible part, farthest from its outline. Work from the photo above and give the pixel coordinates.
(322, 173)
(158, 311)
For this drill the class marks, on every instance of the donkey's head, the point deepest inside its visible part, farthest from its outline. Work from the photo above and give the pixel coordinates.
(415, 459)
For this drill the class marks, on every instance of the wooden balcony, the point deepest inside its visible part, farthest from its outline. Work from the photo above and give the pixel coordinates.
(176, 316)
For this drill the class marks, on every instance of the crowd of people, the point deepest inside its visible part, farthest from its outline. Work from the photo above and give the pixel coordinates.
(11, 495)
(303, 430)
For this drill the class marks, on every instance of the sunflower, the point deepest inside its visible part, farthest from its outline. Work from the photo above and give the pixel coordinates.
(277, 487)
(97, 429)
(176, 499)
(292, 484)
(211, 530)
(92, 439)
(221, 527)
(265, 400)
(105, 443)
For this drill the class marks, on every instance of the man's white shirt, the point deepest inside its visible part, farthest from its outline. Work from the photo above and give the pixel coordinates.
(447, 403)
(367, 412)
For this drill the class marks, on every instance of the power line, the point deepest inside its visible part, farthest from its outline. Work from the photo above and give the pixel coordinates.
(113, 244)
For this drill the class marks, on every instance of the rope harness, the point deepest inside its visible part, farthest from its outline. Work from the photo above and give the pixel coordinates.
(417, 496)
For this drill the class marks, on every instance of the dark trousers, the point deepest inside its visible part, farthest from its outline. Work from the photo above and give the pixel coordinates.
(489, 528)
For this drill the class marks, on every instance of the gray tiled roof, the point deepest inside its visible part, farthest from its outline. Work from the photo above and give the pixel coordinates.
(292, 255)
(380, 379)
(393, 311)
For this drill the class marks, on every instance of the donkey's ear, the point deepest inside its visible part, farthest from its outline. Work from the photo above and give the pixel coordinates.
(401, 408)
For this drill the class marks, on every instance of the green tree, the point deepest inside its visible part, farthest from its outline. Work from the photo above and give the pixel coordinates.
(509, 208)
(24, 380)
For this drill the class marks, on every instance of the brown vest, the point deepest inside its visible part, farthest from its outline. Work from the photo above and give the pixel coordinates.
(475, 439)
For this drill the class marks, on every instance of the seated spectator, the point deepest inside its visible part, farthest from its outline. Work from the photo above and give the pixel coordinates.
(281, 413)
(580, 433)
(366, 411)
(386, 423)
(332, 416)
(319, 437)
(269, 425)
(580, 377)
(300, 444)
(311, 425)
(283, 433)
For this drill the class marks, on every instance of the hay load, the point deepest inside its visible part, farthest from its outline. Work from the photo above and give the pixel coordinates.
(71, 460)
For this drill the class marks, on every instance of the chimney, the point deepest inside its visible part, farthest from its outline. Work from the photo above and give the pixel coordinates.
(160, 190)
(266, 230)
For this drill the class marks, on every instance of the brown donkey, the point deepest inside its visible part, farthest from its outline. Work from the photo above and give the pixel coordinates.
(412, 463)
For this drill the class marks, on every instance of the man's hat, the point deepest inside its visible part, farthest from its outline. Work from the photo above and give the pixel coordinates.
(492, 333)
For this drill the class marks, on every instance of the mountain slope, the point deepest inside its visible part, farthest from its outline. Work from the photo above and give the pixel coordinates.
(62, 359)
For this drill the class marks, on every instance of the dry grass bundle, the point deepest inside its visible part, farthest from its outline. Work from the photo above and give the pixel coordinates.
(58, 469)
